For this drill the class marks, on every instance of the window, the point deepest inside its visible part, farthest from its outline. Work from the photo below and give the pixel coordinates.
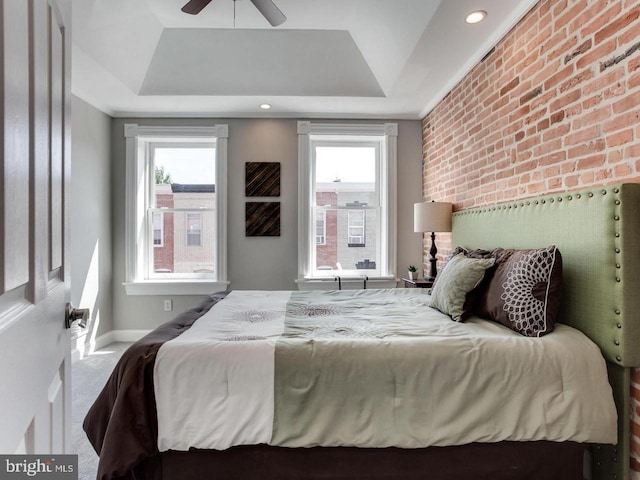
(158, 229)
(356, 228)
(348, 197)
(176, 185)
(321, 225)
(194, 229)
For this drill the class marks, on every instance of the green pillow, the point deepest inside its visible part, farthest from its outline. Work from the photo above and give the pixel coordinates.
(459, 276)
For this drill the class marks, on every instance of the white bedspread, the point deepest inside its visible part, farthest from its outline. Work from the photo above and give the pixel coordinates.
(466, 382)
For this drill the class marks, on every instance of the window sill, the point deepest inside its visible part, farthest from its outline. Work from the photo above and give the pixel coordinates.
(172, 287)
(353, 283)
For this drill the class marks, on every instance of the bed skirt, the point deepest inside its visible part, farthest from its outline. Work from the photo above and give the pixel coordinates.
(498, 461)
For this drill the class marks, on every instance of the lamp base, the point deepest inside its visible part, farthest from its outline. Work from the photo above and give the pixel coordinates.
(433, 260)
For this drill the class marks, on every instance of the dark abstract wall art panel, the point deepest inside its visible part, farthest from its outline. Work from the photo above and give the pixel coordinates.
(262, 219)
(262, 179)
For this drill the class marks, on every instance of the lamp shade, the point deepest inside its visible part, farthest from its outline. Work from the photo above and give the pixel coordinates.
(432, 217)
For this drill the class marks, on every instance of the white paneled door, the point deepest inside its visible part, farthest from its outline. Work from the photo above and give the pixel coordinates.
(34, 275)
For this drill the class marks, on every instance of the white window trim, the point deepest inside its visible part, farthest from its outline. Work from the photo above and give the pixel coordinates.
(388, 196)
(138, 139)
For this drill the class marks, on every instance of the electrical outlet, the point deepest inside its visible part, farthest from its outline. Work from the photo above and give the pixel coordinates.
(168, 305)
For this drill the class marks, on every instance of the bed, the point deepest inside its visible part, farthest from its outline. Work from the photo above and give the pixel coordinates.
(595, 230)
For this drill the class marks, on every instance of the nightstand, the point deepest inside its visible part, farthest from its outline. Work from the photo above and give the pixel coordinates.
(419, 283)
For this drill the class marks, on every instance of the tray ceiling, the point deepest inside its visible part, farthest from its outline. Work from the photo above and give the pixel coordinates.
(331, 58)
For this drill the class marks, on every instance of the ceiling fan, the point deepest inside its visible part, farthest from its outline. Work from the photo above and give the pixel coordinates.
(266, 7)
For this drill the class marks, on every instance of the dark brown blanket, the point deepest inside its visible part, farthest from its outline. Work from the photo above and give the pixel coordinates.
(122, 423)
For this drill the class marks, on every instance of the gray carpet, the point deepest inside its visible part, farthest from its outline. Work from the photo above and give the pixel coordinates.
(88, 377)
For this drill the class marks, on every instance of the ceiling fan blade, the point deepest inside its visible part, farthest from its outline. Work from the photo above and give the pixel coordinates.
(194, 7)
(270, 11)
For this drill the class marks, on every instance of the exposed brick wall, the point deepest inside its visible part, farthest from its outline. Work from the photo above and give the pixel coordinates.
(554, 107)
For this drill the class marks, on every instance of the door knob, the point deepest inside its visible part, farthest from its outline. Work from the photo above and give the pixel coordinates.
(72, 314)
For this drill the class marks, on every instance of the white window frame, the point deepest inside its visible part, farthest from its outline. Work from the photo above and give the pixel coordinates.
(139, 190)
(387, 136)
(161, 244)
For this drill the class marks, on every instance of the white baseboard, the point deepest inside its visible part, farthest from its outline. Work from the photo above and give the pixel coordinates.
(82, 348)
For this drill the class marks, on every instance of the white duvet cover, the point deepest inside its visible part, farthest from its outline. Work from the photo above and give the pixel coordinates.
(395, 373)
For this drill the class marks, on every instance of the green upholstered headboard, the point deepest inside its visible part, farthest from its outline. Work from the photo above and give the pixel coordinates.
(598, 234)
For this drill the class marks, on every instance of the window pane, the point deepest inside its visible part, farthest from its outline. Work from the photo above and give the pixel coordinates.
(351, 242)
(356, 228)
(194, 229)
(189, 243)
(185, 179)
(158, 228)
(320, 228)
(189, 172)
(345, 174)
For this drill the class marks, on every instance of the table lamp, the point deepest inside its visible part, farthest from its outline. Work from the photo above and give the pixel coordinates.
(432, 217)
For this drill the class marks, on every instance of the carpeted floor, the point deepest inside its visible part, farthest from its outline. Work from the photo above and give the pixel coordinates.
(88, 377)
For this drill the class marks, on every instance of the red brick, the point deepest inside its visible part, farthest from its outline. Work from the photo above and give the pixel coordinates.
(591, 162)
(587, 148)
(563, 49)
(570, 14)
(604, 80)
(619, 138)
(557, 117)
(556, 132)
(622, 121)
(590, 118)
(599, 20)
(554, 184)
(565, 100)
(576, 80)
(629, 36)
(602, 175)
(542, 125)
(633, 151)
(571, 181)
(614, 156)
(579, 50)
(627, 103)
(553, 158)
(622, 170)
(583, 135)
(617, 25)
(558, 77)
(598, 54)
(592, 102)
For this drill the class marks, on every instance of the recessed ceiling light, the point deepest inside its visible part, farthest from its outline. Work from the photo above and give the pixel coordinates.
(265, 106)
(476, 16)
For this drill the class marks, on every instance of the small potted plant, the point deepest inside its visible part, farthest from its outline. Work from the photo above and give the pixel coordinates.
(413, 272)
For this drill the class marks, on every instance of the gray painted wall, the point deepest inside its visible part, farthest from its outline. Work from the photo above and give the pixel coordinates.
(265, 263)
(90, 217)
